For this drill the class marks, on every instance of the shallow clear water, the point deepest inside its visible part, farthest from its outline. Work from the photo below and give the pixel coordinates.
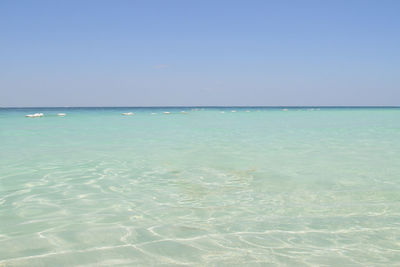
(209, 187)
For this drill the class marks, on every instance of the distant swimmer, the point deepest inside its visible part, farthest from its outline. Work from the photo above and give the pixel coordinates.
(128, 113)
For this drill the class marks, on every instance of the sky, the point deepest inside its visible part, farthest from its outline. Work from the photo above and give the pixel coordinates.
(199, 53)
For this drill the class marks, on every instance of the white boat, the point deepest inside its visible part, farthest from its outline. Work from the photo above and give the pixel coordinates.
(61, 114)
(34, 115)
(128, 113)
(167, 112)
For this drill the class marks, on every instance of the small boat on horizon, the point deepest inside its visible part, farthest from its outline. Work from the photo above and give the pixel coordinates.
(36, 115)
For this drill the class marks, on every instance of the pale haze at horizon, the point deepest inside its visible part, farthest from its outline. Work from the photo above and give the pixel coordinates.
(166, 53)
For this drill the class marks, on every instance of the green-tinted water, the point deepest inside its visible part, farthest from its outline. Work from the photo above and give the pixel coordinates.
(207, 187)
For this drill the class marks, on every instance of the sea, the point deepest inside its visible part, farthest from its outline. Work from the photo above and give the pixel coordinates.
(200, 186)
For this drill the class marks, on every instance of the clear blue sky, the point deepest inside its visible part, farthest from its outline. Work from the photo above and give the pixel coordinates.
(187, 52)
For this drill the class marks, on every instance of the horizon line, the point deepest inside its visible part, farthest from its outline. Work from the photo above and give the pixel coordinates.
(216, 106)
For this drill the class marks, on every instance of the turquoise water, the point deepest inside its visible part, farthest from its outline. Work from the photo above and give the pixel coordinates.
(210, 187)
